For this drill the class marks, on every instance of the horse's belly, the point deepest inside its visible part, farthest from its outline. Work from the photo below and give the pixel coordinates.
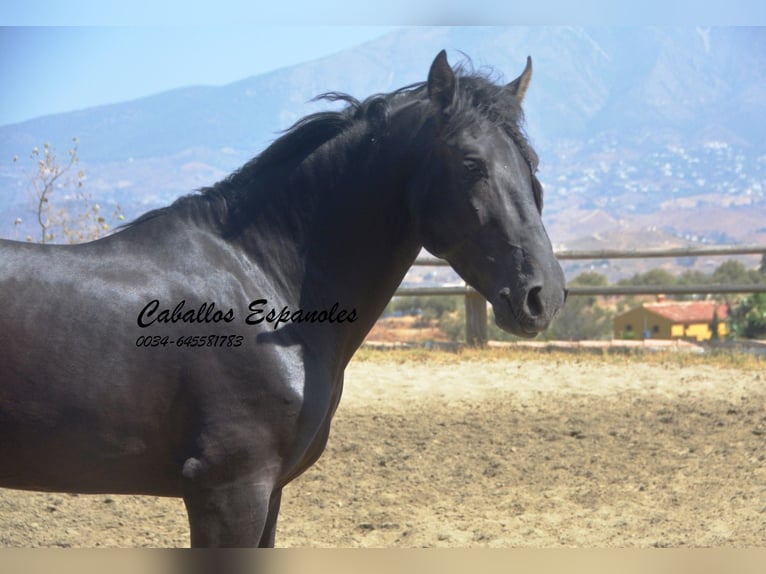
(74, 435)
(72, 461)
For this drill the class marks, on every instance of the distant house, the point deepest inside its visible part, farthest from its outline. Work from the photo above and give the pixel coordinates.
(672, 320)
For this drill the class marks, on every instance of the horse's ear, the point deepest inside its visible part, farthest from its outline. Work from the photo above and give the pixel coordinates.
(441, 82)
(518, 87)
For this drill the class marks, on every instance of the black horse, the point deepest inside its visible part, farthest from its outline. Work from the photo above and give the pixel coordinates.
(199, 351)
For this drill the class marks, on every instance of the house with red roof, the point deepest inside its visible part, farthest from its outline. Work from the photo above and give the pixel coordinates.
(693, 320)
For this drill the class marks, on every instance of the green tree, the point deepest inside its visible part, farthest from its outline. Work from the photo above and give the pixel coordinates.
(653, 277)
(431, 307)
(748, 318)
(693, 277)
(452, 323)
(714, 324)
(733, 272)
(583, 317)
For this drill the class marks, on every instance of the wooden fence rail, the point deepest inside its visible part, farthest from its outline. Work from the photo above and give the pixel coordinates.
(476, 306)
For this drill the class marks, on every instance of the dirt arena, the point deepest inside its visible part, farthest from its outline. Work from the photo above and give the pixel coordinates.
(494, 449)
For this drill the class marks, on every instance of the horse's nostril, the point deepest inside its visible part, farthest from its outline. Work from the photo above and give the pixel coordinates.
(534, 304)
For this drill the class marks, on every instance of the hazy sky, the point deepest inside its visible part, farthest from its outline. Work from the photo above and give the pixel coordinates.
(46, 70)
(113, 52)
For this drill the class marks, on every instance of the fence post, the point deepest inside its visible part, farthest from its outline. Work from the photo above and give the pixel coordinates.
(475, 318)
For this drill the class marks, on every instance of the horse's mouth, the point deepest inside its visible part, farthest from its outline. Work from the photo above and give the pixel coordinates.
(518, 318)
(516, 328)
(507, 320)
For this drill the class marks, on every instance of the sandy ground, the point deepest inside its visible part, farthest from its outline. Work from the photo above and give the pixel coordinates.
(547, 451)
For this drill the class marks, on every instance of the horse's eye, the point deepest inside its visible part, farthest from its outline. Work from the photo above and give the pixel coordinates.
(475, 167)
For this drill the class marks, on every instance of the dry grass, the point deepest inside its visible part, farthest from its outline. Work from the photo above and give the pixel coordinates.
(720, 359)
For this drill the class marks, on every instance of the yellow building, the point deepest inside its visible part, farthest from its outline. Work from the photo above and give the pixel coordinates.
(671, 320)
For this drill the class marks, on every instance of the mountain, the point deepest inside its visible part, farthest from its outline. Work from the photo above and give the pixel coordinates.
(639, 127)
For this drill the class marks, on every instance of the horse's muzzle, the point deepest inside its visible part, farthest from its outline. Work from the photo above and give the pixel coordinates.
(529, 312)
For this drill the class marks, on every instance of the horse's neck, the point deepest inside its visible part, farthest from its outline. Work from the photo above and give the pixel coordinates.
(345, 237)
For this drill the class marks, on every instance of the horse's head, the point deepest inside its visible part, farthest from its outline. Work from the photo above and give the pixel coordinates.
(478, 204)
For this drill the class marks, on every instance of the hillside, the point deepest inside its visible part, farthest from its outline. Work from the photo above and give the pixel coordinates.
(643, 133)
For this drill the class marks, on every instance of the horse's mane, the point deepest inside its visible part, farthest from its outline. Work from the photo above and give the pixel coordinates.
(478, 96)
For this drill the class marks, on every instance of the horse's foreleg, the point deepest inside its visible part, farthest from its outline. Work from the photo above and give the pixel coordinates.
(269, 530)
(231, 514)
